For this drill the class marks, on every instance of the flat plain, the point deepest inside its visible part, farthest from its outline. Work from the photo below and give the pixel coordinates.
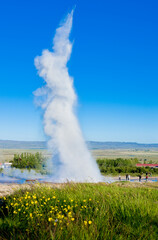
(150, 155)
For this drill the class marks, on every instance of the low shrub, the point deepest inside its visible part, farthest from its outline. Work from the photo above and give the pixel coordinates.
(29, 160)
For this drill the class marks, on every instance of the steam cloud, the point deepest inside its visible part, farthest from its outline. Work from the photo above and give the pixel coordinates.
(70, 157)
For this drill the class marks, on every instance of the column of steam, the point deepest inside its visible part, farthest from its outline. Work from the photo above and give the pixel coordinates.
(71, 159)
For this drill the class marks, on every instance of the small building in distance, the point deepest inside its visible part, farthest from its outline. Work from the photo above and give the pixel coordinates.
(5, 165)
(147, 165)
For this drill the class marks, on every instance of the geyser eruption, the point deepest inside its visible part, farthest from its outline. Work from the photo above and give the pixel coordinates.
(70, 156)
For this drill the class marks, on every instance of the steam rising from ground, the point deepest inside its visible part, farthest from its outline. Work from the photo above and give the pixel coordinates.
(70, 158)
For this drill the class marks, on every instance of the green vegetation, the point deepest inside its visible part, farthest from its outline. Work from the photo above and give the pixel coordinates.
(123, 166)
(107, 166)
(29, 160)
(81, 211)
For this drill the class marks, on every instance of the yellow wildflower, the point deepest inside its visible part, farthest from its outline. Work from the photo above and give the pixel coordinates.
(90, 222)
(85, 222)
(50, 219)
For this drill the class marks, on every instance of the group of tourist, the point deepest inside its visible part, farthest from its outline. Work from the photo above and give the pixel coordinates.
(140, 177)
(146, 176)
(127, 177)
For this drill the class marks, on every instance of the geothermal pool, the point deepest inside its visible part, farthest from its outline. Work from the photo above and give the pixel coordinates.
(7, 179)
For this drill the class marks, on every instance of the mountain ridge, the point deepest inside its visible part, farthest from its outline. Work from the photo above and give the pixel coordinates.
(13, 144)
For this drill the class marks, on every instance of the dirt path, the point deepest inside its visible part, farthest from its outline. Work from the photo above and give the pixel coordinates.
(7, 189)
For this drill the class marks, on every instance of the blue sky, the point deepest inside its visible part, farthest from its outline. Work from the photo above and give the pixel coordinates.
(114, 63)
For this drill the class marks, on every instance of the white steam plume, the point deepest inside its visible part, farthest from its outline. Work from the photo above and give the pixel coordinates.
(70, 157)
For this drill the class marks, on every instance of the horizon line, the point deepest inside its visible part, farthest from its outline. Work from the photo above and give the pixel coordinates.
(98, 141)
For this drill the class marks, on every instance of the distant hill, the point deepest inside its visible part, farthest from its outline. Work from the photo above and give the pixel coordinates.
(120, 145)
(9, 144)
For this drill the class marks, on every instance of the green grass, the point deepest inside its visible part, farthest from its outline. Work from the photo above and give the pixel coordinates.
(81, 211)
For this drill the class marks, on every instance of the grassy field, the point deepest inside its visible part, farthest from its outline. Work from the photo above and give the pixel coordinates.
(127, 153)
(7, 154)
(81, 211)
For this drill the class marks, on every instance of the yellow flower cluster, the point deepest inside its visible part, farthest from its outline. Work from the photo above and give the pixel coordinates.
(39, 207)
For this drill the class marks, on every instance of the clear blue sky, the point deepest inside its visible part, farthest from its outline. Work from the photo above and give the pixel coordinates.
(114, 64)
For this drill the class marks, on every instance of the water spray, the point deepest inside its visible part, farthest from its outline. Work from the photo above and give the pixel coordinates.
(71, 159)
